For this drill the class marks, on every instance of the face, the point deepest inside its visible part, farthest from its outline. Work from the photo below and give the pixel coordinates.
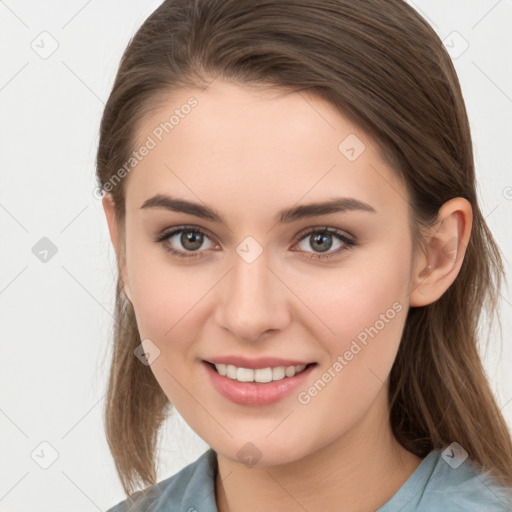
(251, 287)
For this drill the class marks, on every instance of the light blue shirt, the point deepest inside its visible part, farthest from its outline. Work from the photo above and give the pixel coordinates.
(435, 486)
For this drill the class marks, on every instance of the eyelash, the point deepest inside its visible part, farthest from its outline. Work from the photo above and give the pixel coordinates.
(164, 238)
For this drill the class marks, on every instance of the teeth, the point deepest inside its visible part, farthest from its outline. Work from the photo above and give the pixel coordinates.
(278, 373)
(244, 375)
(260, 375)
(263, 375)
(290, 371)
(231, 371)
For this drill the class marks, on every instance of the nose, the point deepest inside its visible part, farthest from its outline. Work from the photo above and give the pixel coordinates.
(253, 300)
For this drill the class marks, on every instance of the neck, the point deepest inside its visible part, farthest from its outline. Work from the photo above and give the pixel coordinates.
(359, 471)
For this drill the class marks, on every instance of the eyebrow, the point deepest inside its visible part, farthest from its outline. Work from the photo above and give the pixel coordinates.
(339, 204)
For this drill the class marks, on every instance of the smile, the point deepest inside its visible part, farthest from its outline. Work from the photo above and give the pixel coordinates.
(254, 387)
(261, 375)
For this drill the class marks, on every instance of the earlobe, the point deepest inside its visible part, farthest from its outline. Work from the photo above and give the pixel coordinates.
(113, 228)
(446, 246)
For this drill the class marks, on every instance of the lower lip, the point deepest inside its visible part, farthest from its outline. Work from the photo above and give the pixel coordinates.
(255, 394)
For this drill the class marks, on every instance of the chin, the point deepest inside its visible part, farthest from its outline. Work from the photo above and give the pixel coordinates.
(262, 452)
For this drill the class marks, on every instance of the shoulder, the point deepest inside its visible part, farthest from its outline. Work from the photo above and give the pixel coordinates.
(192, 488)
(463, 489)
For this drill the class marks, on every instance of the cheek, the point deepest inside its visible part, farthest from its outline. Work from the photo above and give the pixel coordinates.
(372, 300)
(368, 328)
(351, 300)
(163, 293)
(365, 321)
(170, 313)
(363, 310)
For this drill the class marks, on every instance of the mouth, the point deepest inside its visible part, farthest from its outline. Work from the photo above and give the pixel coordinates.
(257, 386)
(258, 375)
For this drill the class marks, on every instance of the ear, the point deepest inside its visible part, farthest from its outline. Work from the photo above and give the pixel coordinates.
(113, 228)
(446, 242)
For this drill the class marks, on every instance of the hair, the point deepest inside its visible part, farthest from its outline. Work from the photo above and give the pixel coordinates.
(379, 63)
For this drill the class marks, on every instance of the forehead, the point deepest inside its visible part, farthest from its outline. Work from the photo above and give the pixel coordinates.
(235, 146)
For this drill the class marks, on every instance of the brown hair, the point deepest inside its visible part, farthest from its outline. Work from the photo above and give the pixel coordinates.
(379, 63)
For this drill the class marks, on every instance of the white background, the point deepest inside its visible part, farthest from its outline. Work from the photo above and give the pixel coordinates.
(56, 316)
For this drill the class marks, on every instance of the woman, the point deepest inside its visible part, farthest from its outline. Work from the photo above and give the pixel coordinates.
(290, 191)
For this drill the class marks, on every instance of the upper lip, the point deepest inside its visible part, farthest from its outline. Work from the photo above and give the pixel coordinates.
(260, 362)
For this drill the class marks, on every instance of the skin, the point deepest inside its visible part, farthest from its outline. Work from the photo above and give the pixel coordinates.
(249, 153)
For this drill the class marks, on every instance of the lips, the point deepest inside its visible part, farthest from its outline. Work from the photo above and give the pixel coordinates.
(261, 362)
(255, 387)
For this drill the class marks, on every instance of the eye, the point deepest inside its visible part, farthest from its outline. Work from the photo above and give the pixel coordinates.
(192, 239)
(322, 241)
(189, 237)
